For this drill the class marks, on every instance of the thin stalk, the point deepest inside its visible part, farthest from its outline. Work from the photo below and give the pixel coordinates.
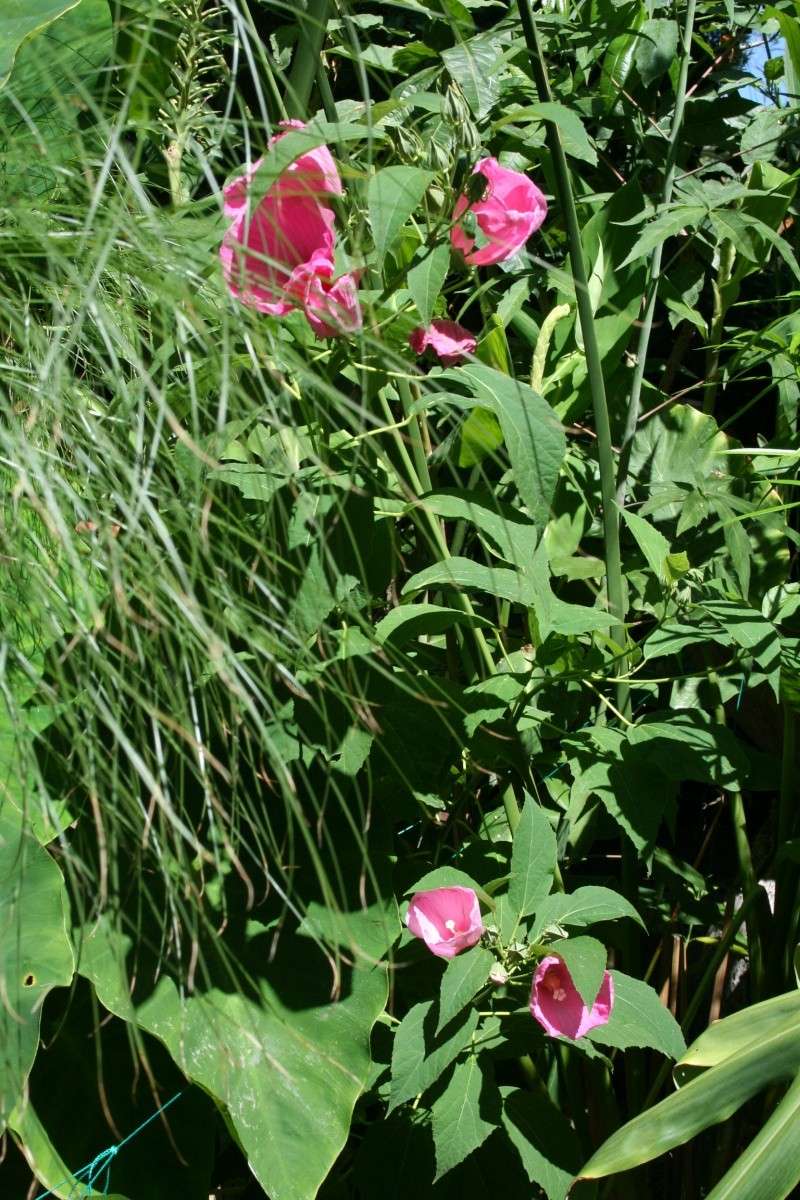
(727, 254)
(654, 267)
(698, 995)
(613, 563)
(415, 434)
(312, 27)
(543, 344)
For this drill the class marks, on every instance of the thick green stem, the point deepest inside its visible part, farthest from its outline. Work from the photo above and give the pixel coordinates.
(654, 267)
(312, 27)
(727, 255)
(594, 364)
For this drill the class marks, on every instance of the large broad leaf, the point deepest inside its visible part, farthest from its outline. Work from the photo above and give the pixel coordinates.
(425, 279)
(656, 48)
(712, 1097)
(23, 19)
(734, 1033)
(35, 951)
(45, 1161)
(532, 433)
(285, 1061)
(585, 959)
(769, 1169)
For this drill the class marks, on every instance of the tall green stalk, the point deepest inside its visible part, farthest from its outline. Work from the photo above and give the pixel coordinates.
(312, 26)
(654, 267)
(613, 563)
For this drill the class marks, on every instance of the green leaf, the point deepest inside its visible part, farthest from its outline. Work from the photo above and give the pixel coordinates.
(511, 535)
(533, 859)
(574, 137)
(476, 66)
(664, 226)
(410, 621)
(480, 435)
(463, 573)
(23, 19)
(459, 1115)
(544, 1139)
(688, 745)
(618, 61)
(585, 906)
(710, 1098)
(746, 627)
(791, 35)
(35, 951)
(769, 1169)
(393, 195)
(656, 48)
(419, 1055)
(426, 277)
(638, 1018)
(734, 1033)
(314, 1052)
(464, 976)
(586, 959)
(533, 435)
(653, 545)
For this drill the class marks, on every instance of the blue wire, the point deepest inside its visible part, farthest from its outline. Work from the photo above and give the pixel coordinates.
(105, 1159)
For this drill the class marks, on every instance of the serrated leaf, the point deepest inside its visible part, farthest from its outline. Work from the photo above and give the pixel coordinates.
(464, 976)
(393, 195)
(533, 859)
(459, 1116)
(585, 906)
(664, 226)
(653, 545)
(419, 1055)
(426, 277)
(544, 1139)
(638, 1018)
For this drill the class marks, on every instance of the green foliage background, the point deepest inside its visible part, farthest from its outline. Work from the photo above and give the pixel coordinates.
(290, 626)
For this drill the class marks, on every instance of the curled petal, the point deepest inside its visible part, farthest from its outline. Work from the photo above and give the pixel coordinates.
(449, 340)
(511, 210)
(448, 920)
(557, 1005)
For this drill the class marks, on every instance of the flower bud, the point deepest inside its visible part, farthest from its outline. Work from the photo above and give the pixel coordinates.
(498, 975)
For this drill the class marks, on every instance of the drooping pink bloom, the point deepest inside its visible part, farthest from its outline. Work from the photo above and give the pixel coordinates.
(280, 254)
(451, 341)
(447, 919)
(332, 307)
(511, 209)
(556, 1003)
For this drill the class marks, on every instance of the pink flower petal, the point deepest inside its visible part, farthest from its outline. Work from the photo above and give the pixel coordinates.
(448, 920)
(512, 210)
(556, 1003)
(449, 340)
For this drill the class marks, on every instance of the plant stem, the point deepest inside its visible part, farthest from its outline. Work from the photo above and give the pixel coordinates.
(654, 267)
(415, 434)
(312, 27)
(727, 255)
(594, 364)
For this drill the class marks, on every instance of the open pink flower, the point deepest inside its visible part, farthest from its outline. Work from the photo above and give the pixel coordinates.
(451, 341)
(281, 253)
(511, 210)
(447, 919)
(556, 1003)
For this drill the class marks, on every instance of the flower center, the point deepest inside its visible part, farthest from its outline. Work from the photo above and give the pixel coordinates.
(553, 982)
(451, 927)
